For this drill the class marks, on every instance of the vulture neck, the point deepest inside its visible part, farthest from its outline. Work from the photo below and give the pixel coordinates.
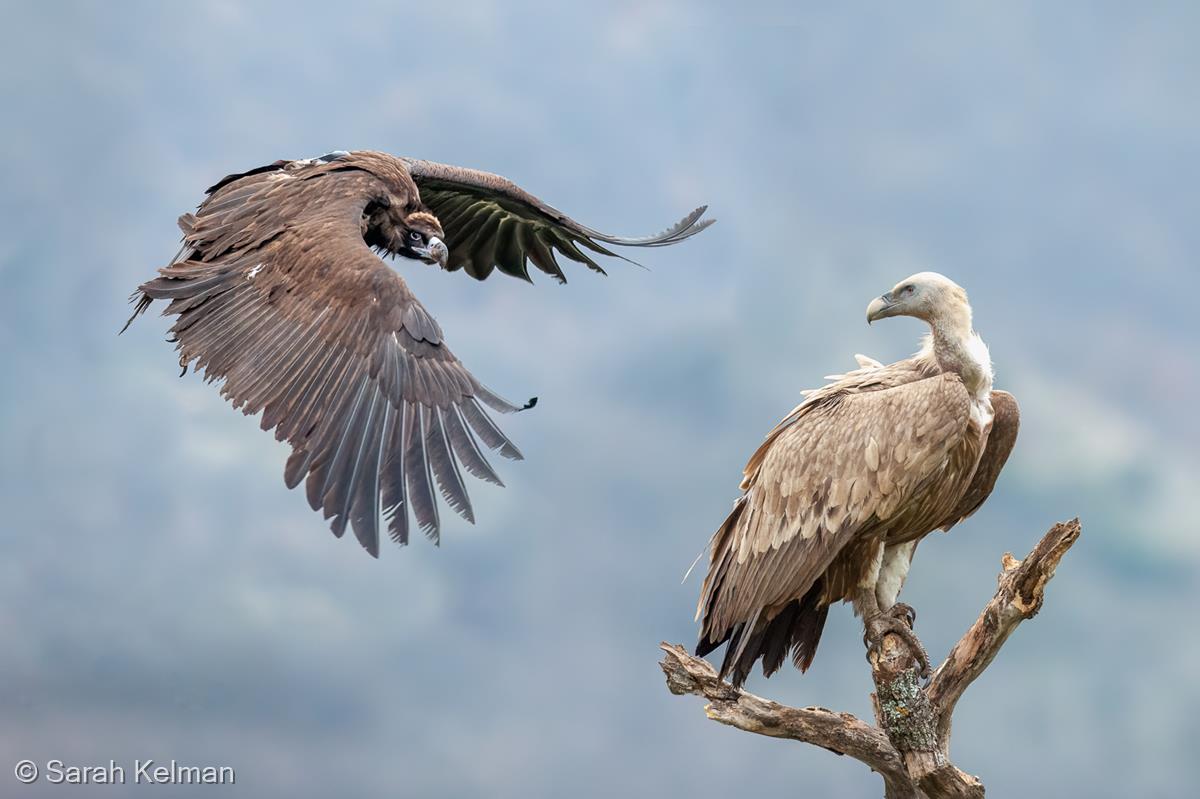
(958, 348)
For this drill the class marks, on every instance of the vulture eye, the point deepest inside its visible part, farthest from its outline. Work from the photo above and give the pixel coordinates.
(414, 236)
(907, 289)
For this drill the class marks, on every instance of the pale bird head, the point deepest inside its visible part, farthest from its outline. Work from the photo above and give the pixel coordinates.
(925, 295)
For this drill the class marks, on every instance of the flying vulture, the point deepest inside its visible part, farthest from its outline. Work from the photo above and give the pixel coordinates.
(841, 491)
(277, 292)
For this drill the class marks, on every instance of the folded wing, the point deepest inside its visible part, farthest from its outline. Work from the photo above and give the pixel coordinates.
(839, 465)
(1006, 420)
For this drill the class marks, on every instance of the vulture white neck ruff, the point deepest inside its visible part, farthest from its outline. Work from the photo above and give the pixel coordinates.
(981, 391)
(965, 353)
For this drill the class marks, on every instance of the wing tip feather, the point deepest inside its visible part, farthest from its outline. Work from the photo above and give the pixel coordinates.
(685, 228)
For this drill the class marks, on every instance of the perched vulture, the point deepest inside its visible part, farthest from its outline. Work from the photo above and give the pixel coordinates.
(278, 292)
(841, 491)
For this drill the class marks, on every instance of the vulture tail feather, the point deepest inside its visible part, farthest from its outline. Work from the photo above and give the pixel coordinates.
(795, 631)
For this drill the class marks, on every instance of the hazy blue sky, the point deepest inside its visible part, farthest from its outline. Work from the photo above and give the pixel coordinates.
(163, 595)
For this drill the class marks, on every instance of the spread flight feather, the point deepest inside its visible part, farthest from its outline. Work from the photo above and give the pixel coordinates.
(278, 292)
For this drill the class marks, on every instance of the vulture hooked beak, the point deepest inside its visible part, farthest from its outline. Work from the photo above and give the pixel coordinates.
(435, 252)
(882, 307)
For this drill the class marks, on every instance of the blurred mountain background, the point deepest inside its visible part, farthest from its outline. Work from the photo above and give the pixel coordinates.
(162, 595)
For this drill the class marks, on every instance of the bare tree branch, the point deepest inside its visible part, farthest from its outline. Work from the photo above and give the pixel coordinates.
(910, 746)
(841, 733)
(1021, 591)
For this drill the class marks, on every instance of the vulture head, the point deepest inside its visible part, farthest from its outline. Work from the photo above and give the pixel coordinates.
(928, 296)
(419, 235)
(400, 230)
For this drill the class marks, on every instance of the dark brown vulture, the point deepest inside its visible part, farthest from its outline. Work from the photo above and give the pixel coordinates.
(277, 292)
(842, 490)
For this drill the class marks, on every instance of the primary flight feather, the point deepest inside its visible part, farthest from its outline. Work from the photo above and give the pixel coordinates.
(837, 497)
(278, 292)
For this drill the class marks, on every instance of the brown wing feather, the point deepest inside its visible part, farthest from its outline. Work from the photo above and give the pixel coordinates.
(276, 293)
(490, 222)
(870, 378)
(841, 466)
(1006, 420)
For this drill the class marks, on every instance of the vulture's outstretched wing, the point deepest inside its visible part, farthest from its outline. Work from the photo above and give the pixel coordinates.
(1006, 419)
(837, 466)
(277, 294)
(490, 222)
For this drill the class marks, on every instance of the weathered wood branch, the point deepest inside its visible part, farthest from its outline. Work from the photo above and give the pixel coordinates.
(842, 733)
(910, 744)
(1019, 596)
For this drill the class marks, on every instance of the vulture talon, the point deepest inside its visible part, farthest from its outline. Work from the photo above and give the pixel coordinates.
(903, 611)
(884, 624)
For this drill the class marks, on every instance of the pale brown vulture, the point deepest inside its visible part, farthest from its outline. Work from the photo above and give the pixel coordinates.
(277, 292)
(840, 492)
